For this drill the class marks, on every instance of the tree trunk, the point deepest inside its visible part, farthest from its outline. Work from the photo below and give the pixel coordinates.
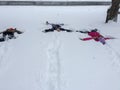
(112, 12)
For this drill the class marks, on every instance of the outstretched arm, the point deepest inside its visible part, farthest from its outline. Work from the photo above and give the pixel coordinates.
(86, 39)
(61, 24)
(47, 23)
(67, 30)
(18, 32)
(83, 31)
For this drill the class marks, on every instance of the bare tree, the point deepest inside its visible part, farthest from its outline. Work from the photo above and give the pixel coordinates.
(112, 12)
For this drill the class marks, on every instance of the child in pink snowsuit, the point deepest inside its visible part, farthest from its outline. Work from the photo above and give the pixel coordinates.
(94, 35)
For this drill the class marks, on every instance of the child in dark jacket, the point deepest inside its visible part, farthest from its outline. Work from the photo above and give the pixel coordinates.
(10, 33)
(57, 27)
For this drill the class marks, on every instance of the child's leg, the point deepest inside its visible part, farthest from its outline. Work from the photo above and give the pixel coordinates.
(102, 40)
(2, 39)
(62, 29)
(11, 36)
(48, 30)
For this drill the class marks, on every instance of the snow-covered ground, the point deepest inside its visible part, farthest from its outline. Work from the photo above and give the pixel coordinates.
(58, 60)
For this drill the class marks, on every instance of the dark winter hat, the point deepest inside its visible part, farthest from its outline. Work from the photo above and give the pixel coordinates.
(94, 30)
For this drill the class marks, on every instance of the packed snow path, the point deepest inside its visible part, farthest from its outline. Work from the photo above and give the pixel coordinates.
(54, 65)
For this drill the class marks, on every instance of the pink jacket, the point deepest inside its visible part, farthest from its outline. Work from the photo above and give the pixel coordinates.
(94, 35)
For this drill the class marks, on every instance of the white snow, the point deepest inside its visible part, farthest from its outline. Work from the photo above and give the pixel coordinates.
(58, 60)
